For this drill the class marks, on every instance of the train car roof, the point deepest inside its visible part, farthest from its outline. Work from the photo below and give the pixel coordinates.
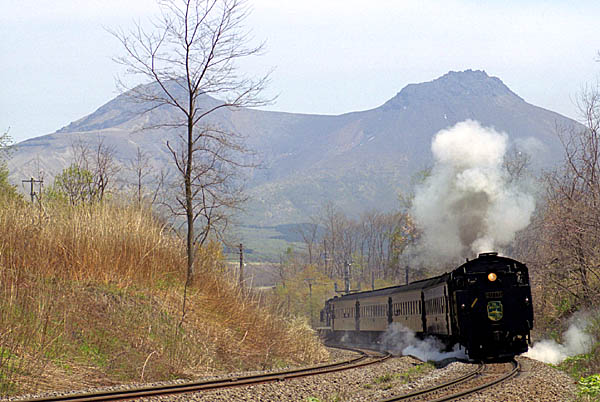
(485, 260)
(424, 283)
(474, 265)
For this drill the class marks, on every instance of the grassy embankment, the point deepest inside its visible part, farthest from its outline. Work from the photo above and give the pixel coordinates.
(92, 295)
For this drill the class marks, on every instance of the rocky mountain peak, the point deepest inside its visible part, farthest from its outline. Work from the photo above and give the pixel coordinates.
(452, 85)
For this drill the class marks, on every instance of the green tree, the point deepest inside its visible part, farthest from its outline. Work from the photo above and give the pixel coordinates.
(7, 190)
(73, 184)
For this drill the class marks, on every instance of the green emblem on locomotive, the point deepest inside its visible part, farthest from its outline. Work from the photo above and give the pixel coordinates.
(494, 310)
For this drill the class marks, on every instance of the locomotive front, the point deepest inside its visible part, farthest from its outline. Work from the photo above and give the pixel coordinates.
(491, 307)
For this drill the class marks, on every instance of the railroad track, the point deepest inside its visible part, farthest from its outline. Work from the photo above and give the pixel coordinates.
(459, 387)
(365, 358)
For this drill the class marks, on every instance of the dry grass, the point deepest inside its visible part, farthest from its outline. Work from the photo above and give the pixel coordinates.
(94, 293)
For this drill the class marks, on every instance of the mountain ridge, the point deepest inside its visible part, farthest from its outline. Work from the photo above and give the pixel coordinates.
(359, 160)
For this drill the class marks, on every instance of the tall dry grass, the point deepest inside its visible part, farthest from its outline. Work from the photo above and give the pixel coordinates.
(93, 294)
(100, 242)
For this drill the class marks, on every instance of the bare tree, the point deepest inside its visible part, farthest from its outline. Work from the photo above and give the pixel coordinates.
(99, 161)
(190, 53)
(309, 233)
(516, 163)
(566, 252)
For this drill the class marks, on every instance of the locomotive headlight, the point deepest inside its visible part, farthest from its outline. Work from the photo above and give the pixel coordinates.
(492, 277)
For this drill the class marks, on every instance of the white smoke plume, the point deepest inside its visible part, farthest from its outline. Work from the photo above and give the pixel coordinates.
(467, 204)
(575, 341)
(402, 341)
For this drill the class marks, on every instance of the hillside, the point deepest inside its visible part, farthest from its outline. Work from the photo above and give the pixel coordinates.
(360, 160)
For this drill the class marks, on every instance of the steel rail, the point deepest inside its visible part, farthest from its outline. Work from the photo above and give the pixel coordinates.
(465, 378)
(512, 373)
(139, 392)
(424, 391)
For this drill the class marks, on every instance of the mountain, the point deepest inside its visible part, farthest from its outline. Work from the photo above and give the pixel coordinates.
(359, 160)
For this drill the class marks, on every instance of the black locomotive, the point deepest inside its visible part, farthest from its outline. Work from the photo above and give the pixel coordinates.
(484, 305)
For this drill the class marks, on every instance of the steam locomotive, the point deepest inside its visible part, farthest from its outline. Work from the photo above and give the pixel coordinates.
(484, 305)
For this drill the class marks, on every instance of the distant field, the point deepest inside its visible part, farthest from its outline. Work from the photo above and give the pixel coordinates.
(266, 243)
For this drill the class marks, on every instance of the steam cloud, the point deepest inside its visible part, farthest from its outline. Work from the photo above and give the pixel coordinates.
(400, 340)
(576, 341)
(467, 205)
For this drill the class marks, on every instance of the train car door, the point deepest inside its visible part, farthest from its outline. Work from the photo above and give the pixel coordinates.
(423, 314)
(447, 307)
(357, 316)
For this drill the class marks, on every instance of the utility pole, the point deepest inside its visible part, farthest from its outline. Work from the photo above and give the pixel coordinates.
(347, 265)
(31, 182)
(325, 254)
(347, 276)
(241, 265)
(310, 282)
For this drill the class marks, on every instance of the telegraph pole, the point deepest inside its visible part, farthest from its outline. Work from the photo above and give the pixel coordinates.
(31, 182)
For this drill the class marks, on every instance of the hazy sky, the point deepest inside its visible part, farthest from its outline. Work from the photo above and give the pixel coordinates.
(329, 56)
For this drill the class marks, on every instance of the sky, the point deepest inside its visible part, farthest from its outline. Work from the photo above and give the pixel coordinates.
(327, 56)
